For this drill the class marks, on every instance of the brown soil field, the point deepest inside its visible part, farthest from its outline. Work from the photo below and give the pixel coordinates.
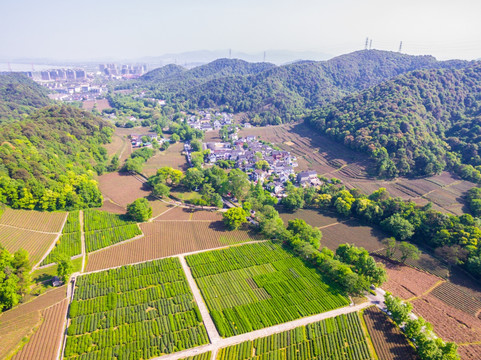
(23, 320)
(120, 145)
(212, 136)
(15, 330)
(311, 216)
(352, 232)
(159, 207)
(36, 243)
(102, 104)
(111, 207)
(45, 342)
(207, 215)
(41, 302)
(138, 130)
(470, 352)
(313, 152)
(449, 323)
(454, 296)
(34, 220)
(177, 213)
(167, 238)
(389, 342)
(121, 189)
(466, 283)
(171, 157)
(407, 282)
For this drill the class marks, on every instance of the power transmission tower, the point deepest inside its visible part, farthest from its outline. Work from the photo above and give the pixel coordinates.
(400, 46)
(264, 56)
(367, 42)
(370, 44)
(230, 53)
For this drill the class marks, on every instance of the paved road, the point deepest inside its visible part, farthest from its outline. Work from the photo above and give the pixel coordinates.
(208, 323)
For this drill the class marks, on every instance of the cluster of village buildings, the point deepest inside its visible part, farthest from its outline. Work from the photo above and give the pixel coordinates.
(146, 140)
(206, 120)
(263, 163)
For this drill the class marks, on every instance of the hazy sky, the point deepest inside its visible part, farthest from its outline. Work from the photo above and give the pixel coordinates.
(87, 29)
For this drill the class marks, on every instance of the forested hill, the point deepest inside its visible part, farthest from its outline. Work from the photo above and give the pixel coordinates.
(19, 96)
(416, 124)
(284, 93)
(172, 78)
(47, 161)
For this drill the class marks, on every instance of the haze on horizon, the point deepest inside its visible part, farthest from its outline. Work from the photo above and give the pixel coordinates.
(121, 29)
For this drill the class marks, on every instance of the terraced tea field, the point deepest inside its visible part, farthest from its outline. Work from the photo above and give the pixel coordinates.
(254, 286)
(139, 311)
(341, 337)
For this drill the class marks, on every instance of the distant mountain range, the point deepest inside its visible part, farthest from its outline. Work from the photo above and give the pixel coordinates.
(280, 93)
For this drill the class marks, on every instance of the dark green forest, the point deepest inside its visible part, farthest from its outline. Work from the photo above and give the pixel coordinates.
(20, 96)
(48, 160)
(274, 94)
(416, 124)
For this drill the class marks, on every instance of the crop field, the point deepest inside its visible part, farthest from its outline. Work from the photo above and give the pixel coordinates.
(100, 104)
(113, 186)
(311, 216)
(341, 337)
(69, 243)
(21, 321)
(204, 356)
(14, 330)
(352, 232)
(167, 238)
(103, 229)
(449, 323)
(180, 213)
(159, 207)
(36, 243)
(470, 352)
(136, 312)
(389, 342)
(454, 296)
(171, 157)
(407, 282)
(33, 220)
(45, 342)
(254, 286)
(426, 263)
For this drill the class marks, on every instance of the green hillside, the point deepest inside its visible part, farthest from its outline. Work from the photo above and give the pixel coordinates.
(19, 96)
(47, 161)
(416, 124)
(282, 93)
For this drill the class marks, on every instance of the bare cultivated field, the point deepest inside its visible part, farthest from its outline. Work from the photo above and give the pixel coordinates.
(454, 296)
(449, 323)
(14, 330)
(101, 104)
(121, 189)
(312, 217)
(407, 282)
(389, 342)
(352, 232)
(159, 207)
(44, 343)
(314, 152)
(167, 238)
(470, 352)
(34, 220)
(171, 157)
(36, 243)
(22, 321)
(177, 213)
(111, 207)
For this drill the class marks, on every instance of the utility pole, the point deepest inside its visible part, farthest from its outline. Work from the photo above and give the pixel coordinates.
(230, 53)
(400, 46)
(367, 42)
(264, 56)
(370, 44)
